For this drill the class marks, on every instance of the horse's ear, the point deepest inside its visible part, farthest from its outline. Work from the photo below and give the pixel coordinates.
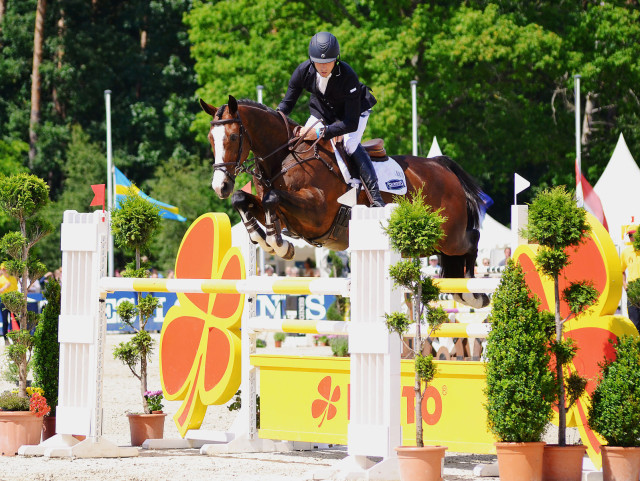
(210, 109)
(233, 104)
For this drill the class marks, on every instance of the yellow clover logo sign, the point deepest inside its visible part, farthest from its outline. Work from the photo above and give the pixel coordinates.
(598, 261)
(200, 339)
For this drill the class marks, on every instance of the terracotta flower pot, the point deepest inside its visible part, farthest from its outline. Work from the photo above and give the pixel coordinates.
(562, 463)
(48, 427)
(145, 426)
(620, 464)
(420, 464)
(520, 461)
(18, 428)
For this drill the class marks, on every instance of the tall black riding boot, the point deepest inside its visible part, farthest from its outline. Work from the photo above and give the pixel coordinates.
(368, 175)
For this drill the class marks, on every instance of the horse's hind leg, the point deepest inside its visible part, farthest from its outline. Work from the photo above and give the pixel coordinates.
(463, 266)
(281, 247)
(247, 205)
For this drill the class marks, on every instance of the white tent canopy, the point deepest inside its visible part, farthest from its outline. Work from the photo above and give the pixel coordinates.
(494, 237)
(618, 191)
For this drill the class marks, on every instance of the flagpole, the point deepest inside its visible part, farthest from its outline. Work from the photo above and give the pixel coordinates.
(579, 192)
(261, 259)
(107, 100)
(414, 116)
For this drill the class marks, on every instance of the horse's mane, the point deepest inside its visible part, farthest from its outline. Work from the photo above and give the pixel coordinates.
(257, 105)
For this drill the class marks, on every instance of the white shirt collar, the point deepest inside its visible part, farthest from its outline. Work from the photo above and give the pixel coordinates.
(322, 82)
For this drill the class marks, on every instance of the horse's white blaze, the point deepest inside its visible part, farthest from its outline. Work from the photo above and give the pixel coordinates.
(219, 176)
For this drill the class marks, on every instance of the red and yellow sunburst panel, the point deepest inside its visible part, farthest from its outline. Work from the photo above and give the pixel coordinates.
(597, 260)
(200, 341)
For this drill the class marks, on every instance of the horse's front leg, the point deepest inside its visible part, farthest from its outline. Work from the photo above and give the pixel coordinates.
(249, 207)
(281, 247)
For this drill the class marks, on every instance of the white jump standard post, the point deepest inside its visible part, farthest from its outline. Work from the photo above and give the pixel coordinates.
(374, 428)
(82, 330)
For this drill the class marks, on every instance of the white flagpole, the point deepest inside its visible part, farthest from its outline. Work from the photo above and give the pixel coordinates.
(414, 116)
(110, 196)
(579, 194)
(261, 257)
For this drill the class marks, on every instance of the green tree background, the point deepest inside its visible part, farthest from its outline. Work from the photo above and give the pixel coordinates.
(495, 86)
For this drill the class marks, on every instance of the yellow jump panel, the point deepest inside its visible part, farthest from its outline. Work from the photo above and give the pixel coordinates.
(307, 399)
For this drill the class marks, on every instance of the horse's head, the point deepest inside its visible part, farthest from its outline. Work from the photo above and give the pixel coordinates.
(230, 144)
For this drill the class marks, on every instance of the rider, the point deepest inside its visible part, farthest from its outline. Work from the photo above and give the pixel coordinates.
(339, 100)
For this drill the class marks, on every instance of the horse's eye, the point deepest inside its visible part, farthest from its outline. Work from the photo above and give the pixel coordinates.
(233, 137)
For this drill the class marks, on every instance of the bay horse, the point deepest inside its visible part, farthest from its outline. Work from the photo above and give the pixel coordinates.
(298, 184)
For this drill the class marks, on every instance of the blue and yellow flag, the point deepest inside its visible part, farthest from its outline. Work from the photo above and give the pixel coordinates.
(122, 186)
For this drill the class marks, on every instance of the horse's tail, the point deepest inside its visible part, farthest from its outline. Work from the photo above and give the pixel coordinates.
(473, 193)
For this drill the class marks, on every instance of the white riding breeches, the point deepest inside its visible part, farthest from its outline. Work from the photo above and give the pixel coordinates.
(352, 139)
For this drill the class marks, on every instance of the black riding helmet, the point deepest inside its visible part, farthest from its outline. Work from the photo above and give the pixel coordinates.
(324, 48)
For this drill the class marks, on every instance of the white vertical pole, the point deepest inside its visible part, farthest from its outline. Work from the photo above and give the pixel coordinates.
(414, 115)
(110, 196)
(579, 195)
(261, 263)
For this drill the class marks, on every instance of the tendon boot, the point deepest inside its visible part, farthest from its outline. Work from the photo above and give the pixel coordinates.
(368, 175)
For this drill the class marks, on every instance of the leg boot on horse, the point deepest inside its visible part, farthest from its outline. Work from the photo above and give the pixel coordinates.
(368, 175)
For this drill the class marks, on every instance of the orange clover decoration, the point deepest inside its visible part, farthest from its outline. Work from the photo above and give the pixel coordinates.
(200, 338)
(596, 260)
(324, 407)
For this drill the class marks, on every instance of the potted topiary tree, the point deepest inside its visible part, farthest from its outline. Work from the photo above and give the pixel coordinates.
(520, 386)
(415, 230)
(614, 412)
(557, 223)
(23, 196)
(46, 353)
(134, 225)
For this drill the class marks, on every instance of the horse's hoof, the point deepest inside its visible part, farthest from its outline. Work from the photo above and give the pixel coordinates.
(476, 301)
(290, 252)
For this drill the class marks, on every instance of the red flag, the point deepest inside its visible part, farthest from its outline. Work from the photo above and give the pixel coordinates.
(98, 198)
(247, 188)
(591, 201)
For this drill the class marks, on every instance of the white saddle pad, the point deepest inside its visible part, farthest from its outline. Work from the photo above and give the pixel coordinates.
(391, 178)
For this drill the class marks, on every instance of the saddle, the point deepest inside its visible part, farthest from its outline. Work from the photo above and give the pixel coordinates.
(375, 149)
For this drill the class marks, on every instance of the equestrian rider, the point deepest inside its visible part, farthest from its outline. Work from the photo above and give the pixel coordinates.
(339, 100)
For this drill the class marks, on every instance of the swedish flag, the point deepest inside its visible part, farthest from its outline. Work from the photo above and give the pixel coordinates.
(122, 186)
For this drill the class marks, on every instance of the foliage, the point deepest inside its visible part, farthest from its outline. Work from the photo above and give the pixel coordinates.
(23, 196)
(135, 222)
(236, 404)
(278, 336)
(414, 229)
(520, 388)
(10, 401)
(557, 223)
(46, 353)
(339, 346)
(495, 79)
(261, 343)
(614, 412)
(633, 292)
(154, 400)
